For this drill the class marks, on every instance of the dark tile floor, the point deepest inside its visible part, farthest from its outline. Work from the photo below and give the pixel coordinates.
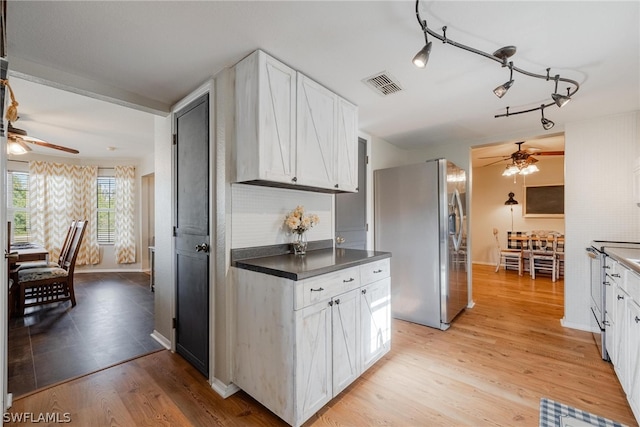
(111, 322)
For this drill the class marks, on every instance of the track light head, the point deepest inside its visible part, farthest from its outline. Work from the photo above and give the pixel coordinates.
(422, 57)
(546, 123)
(502, 89)
(560, 100)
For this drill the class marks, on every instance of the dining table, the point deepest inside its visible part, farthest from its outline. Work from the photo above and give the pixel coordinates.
(25, 252)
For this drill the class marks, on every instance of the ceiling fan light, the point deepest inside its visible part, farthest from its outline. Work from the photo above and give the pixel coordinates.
(16, 147)
(560, 100)
(502, 89)
(511, 169)
(422, 57)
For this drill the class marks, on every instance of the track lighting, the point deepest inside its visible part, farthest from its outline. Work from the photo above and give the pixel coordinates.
(421, 58)
(502, 89)
(560, 100)
(546, 123)
(501, 56)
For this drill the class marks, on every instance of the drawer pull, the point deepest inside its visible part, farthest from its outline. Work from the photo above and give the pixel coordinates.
(615, 275)
(317, 290)
(637, 319)
(364, 291)
(607, 284)
(330, 303)
(620, 297)
(348, 281)
(338, 302)
(606, 323)
(377, 271)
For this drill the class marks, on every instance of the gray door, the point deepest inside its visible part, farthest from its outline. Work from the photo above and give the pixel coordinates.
(191, 126)
(351, 208)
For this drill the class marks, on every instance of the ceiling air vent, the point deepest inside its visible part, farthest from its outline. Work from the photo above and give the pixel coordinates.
(383, 83)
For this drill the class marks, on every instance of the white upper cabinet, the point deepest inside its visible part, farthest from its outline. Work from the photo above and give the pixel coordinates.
(317, 110)
(265, 113)
(347, 146)
(291, 131)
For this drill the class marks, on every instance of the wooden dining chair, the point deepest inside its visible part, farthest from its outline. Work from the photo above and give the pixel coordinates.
(49, 284)
(507, 257)
(542, 255)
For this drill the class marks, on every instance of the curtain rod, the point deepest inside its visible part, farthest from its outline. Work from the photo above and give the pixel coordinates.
(26, 161)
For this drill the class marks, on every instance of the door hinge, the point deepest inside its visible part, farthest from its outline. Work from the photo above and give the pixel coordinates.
(175, 231)
(366, 227)
(366, 160)
(174, 323)
(174, 139)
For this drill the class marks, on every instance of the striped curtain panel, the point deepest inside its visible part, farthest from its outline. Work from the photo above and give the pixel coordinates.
(60, 193)
(124, 237)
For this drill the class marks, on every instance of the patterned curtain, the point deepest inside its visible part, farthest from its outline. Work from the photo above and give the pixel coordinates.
(124, 238)
(60, 193)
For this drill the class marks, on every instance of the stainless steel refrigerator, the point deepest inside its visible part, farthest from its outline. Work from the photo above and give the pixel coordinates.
(420, 218)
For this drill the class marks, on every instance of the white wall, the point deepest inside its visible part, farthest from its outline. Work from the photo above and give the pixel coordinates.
(164, 274)
(491, 190)
(598, 199)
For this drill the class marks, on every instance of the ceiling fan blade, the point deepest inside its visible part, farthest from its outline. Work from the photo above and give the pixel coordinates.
(548, 153)
(497, 161)
(42, 143)
(495, 157)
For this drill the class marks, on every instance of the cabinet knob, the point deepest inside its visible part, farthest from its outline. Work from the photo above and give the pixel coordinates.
(294, 179)
(620, 297)
(330, 303)
(637, 319)
(351, 279)
(336, 185)
(338, 302)
(364, 291)
(317, 290)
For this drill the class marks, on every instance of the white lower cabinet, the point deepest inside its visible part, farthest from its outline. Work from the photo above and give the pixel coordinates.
(299, 344)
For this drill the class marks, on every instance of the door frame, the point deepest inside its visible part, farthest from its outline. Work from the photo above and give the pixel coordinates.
(207, 87)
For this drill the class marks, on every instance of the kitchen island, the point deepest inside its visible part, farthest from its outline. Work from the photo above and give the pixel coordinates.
(308, 326)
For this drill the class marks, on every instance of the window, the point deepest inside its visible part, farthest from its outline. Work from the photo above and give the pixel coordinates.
(18, 205)
(106, 208)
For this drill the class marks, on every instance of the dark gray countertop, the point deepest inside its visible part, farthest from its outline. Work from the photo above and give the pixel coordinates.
(314, 263)
(626, 256)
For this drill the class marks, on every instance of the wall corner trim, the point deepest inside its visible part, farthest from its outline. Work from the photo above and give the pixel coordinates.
(224, 390)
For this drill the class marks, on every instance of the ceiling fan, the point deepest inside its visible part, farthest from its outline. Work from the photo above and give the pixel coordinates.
(19, 137)
(522, 157)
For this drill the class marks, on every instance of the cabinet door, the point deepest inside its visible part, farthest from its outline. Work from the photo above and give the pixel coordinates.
(313, 359)
(347, 146)
(265, 92)
(633, 351)
(316, 132)
(620, 338)
(375, 309)
(345, 325)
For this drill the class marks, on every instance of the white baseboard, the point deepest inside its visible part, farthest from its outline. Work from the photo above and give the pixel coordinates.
(161, 339)
(223, 389)
(578, 326)
(471, 304)
(9, 401)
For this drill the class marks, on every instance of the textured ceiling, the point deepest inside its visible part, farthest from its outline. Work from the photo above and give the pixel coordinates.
(148, 55)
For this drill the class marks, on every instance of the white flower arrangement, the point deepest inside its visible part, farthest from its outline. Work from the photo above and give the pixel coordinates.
(298, 222)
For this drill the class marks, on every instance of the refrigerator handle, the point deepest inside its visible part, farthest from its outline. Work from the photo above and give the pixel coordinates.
(457, 240)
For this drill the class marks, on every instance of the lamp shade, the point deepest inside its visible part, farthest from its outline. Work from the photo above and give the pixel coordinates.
(511, 200)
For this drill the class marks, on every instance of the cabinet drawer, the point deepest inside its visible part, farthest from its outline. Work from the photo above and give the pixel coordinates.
(375, 271)
(326, 286)
(632, 282)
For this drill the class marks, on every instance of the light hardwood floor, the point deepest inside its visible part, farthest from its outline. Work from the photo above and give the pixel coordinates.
(489, 369)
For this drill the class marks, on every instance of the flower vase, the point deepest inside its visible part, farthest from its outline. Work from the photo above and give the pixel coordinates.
(299, 243)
